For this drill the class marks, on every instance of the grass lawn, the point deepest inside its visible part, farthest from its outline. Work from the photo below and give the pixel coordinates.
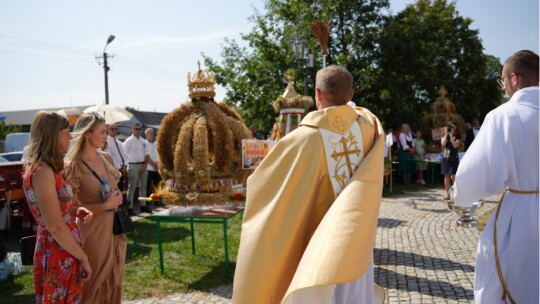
(183, 270)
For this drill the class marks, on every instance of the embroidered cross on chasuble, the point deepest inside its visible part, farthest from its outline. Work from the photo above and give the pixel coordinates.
(343, 154)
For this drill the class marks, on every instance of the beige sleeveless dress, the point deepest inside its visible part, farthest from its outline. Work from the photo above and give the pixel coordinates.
(106, 251)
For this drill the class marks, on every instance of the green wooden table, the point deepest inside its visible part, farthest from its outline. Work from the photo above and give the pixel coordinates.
(218, 216)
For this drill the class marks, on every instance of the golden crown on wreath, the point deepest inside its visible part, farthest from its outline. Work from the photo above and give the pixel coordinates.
(201, 85)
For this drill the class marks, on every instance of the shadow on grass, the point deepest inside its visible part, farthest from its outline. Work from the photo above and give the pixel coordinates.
(400, 188)
(214, 278)
(145, 232)
(142, 241)
(9, 288)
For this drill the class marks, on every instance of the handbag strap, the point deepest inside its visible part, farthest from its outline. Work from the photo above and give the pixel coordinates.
(94, 172)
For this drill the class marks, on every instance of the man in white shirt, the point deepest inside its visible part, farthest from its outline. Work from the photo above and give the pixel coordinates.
(153, 175)
(25, 153)
(115, 148)
(504, 159)
(137, 154)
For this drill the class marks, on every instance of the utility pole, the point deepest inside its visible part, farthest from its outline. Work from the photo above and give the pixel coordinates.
(106, 68)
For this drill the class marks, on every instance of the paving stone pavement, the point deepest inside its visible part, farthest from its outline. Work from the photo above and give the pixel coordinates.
(421, 256)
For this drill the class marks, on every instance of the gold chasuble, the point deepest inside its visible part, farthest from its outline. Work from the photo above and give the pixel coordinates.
(307, 221)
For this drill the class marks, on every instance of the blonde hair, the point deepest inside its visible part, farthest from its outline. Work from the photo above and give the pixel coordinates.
(44, 144)
(87, 122)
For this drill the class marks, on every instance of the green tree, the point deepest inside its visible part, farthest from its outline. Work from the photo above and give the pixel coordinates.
(425, 46)
(8, 129)
(398, 61)
(253, 75)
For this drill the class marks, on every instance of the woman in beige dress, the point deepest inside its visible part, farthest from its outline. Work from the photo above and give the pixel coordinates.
(106, 251)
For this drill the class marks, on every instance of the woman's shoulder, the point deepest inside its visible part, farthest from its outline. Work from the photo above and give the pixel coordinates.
(41, 170)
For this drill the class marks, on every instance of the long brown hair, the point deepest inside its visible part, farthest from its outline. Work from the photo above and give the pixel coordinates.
(44, 140)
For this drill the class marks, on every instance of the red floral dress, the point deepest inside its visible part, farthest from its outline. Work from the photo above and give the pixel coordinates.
(56, 272)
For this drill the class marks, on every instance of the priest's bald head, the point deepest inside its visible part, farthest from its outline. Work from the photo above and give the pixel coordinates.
(333, 87)
(520, 71)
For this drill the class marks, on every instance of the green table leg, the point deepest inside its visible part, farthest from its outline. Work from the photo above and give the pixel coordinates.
(192, 236)
(160, 247)
(226, 243)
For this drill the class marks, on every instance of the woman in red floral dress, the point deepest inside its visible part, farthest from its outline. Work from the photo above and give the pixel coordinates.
(60, 264)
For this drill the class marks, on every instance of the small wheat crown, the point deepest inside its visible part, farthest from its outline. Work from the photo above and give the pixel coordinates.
(201, 85)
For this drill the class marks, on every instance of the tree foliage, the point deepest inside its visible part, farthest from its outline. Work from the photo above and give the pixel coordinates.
(253, 75)
(8, 129)
(423, 47)
(398, 61)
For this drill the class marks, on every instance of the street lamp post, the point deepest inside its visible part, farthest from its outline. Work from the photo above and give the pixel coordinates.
(306, 60)
(106, 68)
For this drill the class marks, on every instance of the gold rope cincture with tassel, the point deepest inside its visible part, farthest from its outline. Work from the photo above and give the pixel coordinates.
(506, 292)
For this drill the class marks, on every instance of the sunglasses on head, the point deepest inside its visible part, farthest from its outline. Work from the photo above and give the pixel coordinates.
(96, 115)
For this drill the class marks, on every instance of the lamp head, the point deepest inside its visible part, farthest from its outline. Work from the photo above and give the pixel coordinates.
(110, 39)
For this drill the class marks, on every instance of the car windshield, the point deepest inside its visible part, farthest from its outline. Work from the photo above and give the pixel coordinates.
(17, 156)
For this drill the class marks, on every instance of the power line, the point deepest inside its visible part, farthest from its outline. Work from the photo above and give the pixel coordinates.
(44, 56)
(48, 49)
(41, 45)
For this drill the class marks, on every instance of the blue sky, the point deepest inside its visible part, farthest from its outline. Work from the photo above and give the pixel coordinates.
(48, 48)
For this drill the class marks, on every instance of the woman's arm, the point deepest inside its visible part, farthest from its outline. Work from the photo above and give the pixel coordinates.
(456, 143)
(43, 183)
(443, 140)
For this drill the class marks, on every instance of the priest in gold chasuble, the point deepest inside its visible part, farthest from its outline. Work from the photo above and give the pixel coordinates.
(312, 206)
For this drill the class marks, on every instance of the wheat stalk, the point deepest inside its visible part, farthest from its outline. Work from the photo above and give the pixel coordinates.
(321, 30)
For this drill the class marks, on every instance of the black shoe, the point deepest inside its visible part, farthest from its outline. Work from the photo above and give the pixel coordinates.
(146, 209)
(160, 204)
(131, 212)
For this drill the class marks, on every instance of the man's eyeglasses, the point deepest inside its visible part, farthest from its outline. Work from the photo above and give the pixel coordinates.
(501, 81)
(137, 129)
(113, 129)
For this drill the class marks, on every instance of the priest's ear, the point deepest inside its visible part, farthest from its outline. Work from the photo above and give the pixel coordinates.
(352, 94)
(318, 98)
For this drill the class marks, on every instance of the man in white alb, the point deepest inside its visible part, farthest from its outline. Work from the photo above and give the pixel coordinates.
(137, 154)
(503, 158)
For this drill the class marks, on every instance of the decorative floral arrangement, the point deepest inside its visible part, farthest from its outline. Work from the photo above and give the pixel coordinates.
(290, 99)
(200, 144)
(442, 111)
(238, 198)
(299, 102)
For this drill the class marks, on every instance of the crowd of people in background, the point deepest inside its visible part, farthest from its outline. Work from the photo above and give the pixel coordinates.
(408, 148)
